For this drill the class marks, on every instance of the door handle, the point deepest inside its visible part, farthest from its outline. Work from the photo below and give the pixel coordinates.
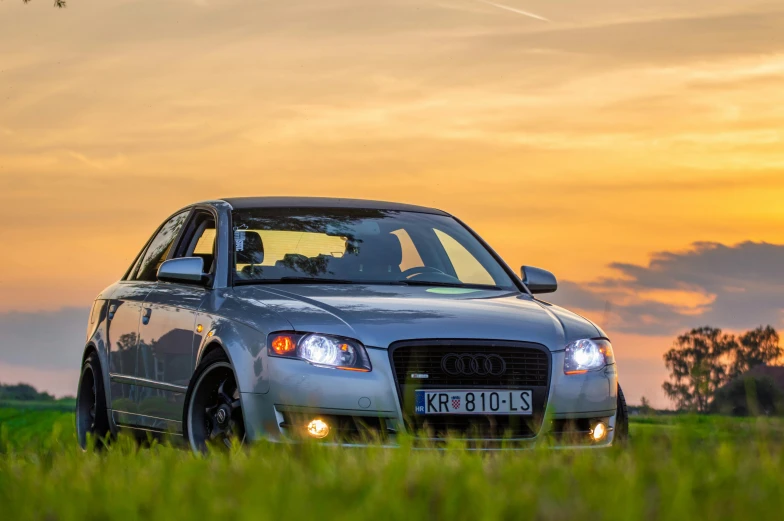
(146, 316)
(112, 311)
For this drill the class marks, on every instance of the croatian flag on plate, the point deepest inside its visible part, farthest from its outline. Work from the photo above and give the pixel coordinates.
(455, 402)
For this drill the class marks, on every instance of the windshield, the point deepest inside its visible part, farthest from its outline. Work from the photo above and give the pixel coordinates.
(291, 245)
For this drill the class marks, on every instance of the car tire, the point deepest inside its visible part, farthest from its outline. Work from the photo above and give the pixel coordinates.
(92, 416)
(621, 419)
(213, 412)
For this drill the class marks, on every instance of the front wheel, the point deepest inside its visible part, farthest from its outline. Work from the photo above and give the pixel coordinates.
(621, 419)
(213, 413)
(92, 418)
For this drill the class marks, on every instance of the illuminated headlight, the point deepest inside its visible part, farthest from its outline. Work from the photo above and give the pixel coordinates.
(586, 355)
(321, 350)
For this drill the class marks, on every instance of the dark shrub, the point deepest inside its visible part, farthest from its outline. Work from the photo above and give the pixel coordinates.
(23, 392)
(749, 396)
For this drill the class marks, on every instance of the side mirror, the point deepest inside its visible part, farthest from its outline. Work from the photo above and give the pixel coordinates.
(539, 280)
(187, 270)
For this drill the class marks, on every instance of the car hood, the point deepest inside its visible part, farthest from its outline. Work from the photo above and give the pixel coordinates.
(379, 315)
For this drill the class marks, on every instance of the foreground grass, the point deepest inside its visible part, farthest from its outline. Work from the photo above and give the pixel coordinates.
(682, 468)
(35, 426)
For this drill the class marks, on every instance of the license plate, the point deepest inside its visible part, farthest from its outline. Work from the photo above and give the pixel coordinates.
(478, 401)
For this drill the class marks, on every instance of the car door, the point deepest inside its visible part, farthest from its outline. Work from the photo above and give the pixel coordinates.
(125, 310)
(123, 338)
(167, 331)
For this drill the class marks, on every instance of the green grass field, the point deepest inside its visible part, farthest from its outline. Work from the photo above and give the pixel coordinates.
(676, 468)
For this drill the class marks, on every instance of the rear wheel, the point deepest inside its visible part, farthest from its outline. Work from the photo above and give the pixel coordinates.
(92, 418)
(621, 419)
(213, 413)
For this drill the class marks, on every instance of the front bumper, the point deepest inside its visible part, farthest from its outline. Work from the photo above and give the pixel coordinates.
(299, 391)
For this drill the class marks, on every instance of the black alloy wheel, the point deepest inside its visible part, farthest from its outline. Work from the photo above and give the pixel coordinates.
(621, 419)
(213, 413)
(92, 419)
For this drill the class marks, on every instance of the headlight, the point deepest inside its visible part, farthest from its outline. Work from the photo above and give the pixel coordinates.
(586, 355)
(321, 350)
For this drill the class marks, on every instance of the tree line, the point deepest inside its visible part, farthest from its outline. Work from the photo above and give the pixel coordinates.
(23, 392)
(707, 368)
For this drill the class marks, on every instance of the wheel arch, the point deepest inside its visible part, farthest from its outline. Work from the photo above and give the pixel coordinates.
(213, 345)
(88, 350)
(103, 362)
(246, 350)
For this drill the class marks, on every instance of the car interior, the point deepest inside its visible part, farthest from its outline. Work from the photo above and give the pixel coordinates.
(375, 258)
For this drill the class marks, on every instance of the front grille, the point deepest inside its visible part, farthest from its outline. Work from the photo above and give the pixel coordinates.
(420, 365)
(525, 366)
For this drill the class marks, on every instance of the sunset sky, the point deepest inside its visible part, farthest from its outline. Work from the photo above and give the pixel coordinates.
(633, 147)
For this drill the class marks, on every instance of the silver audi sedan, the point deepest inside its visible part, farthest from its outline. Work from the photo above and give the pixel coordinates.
(344, 321)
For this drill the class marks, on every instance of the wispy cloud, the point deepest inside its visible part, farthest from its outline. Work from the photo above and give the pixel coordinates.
(463, 7)
(515, 10)
(84, 159)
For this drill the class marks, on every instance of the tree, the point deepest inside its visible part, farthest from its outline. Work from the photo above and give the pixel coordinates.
(57, 3)
(23, 392)
(645, 407)
(697, 367)
(125, 358)
(757, 347)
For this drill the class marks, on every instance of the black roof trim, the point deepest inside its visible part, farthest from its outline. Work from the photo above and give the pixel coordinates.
(240, 203)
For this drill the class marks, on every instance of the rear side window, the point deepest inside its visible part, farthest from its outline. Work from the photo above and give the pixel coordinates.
(159, 248)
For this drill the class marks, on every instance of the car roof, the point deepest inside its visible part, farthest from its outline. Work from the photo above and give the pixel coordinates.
(324, 202)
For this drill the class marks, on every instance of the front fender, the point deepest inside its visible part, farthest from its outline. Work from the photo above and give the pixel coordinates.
(245, 347)
(97, 341)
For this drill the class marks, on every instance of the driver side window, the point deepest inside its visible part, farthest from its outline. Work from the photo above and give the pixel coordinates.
(159, 248)
(199, 240)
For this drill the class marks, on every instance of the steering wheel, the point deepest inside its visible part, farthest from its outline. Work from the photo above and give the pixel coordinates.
(419, 270)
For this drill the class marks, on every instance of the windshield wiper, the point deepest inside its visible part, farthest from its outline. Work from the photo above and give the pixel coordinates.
(447, 284)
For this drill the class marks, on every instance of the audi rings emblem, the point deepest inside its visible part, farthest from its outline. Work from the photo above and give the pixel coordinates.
(467, 364)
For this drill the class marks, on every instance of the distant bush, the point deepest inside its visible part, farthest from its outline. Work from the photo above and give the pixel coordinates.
(749, 396)
(23, 392)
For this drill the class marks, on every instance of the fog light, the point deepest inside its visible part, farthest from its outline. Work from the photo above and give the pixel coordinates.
(599, 432)
(318, 429)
